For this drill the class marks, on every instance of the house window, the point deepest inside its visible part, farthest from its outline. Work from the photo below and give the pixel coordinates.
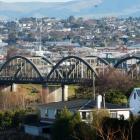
(57, 112)
(46, 113)
(84, 116)
(50, 113)
(88, 116)
(134, 95)
(113, 114)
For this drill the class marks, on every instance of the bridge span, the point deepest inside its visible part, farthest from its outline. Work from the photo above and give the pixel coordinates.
(39, 70)
(68, 70)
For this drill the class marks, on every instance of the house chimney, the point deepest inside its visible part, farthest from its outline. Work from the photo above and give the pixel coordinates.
(99, 101)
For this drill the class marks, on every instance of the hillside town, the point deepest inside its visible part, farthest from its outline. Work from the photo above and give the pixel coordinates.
(72, 36)
(70, 79)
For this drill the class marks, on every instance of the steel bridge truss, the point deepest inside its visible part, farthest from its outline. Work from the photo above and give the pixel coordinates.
(73, 70)
(69, 70)
(19, 69)
(101, 65)
(130, 66)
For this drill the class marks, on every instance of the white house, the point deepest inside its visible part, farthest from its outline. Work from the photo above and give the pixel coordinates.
(85, 107)
(134, 101)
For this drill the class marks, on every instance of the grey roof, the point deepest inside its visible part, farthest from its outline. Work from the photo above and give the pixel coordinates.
(81, 104)
(74, 104)
(92, 104)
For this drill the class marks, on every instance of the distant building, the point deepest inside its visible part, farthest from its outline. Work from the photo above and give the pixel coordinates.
(2, 44)
(62, 43)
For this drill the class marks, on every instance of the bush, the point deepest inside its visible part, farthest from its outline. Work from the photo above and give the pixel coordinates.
(18, 118)
(31, 118)
(84, 131)
(69, 126)
(99, 115)
(116, 129)
(12, 119)
(116, 97)
(136, 129)
(63, 128)
(7, 119)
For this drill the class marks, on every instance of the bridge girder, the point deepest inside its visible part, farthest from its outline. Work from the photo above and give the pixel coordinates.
(102, 60)
(125, 59)
(13, 66)
(71, 67)
(68, 70)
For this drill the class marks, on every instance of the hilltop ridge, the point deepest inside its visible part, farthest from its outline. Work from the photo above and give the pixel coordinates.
(79, 8)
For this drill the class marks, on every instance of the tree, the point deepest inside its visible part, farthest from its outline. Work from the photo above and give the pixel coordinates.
(84, 131)
(110, 128)
(64, 125)
(80, 20)
(12, 38)
(115, 86)
(71, 19)
(84, 91)
(12, 51)
(116, 97)
(7, 119)
(115, 129)
(68, 126)
(99, 116)
(114, 81)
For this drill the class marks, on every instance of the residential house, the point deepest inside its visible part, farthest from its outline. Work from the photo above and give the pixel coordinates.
(134, 101)
(85, 107)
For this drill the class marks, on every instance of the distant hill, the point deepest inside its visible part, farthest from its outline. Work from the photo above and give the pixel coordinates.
(79, 8)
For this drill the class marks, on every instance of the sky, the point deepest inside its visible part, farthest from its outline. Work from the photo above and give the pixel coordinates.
(35, 0)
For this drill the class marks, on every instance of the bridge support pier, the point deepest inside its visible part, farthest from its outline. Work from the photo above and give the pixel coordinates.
(64, 92)
(45, 91)
(4, 88)
(13, 87)
(8, 88)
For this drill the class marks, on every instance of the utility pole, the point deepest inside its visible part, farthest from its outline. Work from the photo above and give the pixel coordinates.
(63, 92)
(104, 99)
(94, 94)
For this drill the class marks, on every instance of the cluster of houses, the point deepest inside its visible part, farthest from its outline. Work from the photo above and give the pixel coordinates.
(85, 108)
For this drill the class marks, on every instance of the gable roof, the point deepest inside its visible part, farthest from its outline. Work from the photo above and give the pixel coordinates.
(72, 105)
(92, 104)
(135, 90)
(81, 104)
